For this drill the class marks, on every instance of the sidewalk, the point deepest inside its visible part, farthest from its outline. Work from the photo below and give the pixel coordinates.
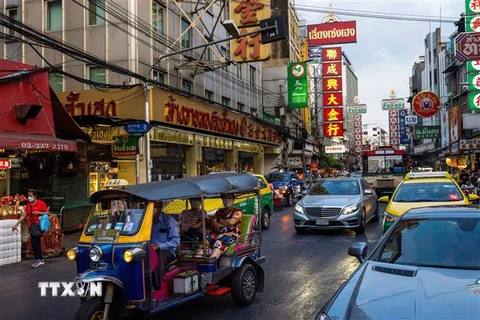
(20, 295)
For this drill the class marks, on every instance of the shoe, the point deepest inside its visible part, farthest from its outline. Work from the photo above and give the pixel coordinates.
(37, 263)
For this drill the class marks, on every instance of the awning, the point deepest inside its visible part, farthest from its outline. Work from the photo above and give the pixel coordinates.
(15, 141)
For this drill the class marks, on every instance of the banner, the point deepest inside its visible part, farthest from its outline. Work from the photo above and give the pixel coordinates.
(297, 85)
(402, 127)
(393, 127)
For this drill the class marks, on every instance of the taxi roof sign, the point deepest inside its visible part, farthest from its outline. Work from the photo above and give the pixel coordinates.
(116, 183)
(420, 175)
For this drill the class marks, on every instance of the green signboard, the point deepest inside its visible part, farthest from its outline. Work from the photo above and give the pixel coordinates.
(359, 108)
(427, 132)
(392, 104)
(269, 118)
(124, 145)
(474, 101)
(472, 7)
(472, 23)
(297, 85)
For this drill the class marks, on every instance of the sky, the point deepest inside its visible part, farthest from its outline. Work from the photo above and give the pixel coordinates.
(386, 50)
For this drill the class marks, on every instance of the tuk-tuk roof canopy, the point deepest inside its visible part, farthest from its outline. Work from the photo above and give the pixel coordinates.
(206, 186)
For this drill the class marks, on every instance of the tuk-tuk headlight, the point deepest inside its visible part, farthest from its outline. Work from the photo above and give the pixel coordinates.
(96, 254)
(134, 255)
(72, 253)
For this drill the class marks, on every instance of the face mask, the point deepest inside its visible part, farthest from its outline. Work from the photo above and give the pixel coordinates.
(30, 199)
(227, 203)
(196, 204)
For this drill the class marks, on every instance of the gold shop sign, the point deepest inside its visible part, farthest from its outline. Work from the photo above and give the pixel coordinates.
(220, 143)
(166, 135)
(99, 134)
(250, 147)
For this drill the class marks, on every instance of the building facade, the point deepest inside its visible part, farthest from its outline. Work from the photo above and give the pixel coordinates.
(374, 136)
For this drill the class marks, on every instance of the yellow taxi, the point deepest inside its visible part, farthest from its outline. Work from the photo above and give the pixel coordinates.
(420, 189)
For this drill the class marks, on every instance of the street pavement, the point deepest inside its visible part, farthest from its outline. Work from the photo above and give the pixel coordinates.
(302, 272)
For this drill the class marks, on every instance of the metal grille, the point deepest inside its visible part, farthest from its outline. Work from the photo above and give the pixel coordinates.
(323, 211)
(387, 183)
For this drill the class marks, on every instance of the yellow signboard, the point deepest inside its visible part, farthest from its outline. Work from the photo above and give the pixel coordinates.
(244, 14)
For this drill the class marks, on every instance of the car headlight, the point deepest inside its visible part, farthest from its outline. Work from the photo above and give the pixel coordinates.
(350, 209)
(72, 253)
(322, 316)
(299, 209)
(389, 218)
(96, 254)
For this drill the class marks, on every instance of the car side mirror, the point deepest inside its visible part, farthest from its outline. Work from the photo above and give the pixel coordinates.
(384, 199)
(358, 250)
(368, 191)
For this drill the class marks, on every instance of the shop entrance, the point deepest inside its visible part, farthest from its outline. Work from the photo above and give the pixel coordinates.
(245, 161)
(168, 161)
(214, 160)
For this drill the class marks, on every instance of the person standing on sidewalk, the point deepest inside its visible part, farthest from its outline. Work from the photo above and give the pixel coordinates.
(33, 210)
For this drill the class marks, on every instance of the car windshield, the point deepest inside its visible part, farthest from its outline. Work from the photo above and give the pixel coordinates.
(444, 243)
(278, 177)
(428, 192)
(335, 187)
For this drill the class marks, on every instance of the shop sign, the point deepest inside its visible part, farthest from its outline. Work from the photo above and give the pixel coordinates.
(426, 104)
(221, 121)
(332, 54)
(124, 145)
(246, 14)
(5, 164)
(331, 69)
(393, 127)
(332, 84)
(297, 85)
(333, 129)
(427, 132)
(332, 33)
(403, 133)
(472, 23)
(467, 46)
(101, 107)
(473, 66)
(213, 142)
(474, 101)
(250, 147)
(390, 104)
(357, 108)
(333, 99)
(100, 134)
(470, 144)
(170, 136)
(335, 149)
(333, 114)
(474, 82)
(472, 7)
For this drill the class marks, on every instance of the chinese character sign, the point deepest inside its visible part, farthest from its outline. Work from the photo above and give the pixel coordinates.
(393, 127)
(332, 99)
(332, 114)
(332, 54)
(332, 84)
(331, 69)
(244, 14)
(5, 164)
(333, 129)
(357, 131)
(472, 6)
(474, 101)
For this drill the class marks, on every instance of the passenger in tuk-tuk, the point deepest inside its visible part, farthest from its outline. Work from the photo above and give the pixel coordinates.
(190, 221)
(164, 239)
(224, 226)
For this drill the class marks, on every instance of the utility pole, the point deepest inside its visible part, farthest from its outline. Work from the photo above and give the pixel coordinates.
(284, 124)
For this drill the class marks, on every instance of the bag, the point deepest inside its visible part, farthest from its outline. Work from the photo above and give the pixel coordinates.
(35, 230)
(44, 223)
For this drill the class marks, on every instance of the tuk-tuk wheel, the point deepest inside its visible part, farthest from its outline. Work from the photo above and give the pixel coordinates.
(93, 309)
(244, 285)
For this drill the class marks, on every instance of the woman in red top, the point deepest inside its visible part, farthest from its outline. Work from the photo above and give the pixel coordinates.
(33, 210)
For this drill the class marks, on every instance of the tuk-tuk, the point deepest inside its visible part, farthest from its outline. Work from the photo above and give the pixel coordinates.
(115, 259)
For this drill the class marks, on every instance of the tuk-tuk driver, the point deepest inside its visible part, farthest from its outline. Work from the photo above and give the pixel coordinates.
(165, 239)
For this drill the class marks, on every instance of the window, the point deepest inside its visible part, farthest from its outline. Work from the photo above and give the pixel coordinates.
(252, 76)
(158, 17)
(56, 81)
(240, 106)
(239, 71)
(226, 101)
(12, 14)
(98, 75)
(96, 12)
(208, 54)
(187, 37)
(159, 76)
(53, 19)
(225, 55)
(187, 86)
(209, 95)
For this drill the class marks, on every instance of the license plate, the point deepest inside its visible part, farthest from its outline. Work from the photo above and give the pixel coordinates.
(322, 222)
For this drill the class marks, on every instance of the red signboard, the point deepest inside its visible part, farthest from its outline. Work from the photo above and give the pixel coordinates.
(393, 127)
(332, 114)
(333, 129)
(467, 46)
(357, 130)
(332, 54)
(332, 99)
(426, 104)
(5, 164)
(331, 69)
(332, 84)
(332, 33)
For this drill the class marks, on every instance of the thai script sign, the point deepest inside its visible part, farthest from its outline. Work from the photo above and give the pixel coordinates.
(246, 14)
(391, 104)
(467, 46)
(91, 108)
(335, 149)
(402, 126)
(357, 108)
(102, 134)
(124, 145)
(214, 142)
(170, 136)
(297, 85)
(427, 132)
(470, 144)
(332, 33)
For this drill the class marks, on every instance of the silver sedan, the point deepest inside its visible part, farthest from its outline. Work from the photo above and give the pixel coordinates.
(336, 203)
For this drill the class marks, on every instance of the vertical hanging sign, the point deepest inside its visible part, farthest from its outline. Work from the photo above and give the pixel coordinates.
(297, 85)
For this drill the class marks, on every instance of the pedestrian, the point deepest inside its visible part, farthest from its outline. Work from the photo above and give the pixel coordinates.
(33, 210)
(165, 239)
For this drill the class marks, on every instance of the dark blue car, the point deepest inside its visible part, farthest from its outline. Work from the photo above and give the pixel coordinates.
(288, 185)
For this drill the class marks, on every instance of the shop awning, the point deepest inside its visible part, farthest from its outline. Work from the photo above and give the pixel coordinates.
(15, 141)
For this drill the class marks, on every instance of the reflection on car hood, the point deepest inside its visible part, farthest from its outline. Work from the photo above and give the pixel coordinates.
(433, 293)
(399, 208)
(326, 200)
